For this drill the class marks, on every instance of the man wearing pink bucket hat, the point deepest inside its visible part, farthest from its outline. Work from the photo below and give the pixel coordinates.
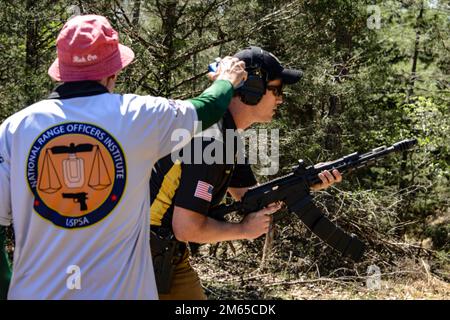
(74, 171)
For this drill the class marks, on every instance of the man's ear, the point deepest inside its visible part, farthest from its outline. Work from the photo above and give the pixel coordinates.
(111, 82)
(113, 77)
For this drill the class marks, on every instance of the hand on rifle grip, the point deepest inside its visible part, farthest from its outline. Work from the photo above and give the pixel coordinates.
(257, 223)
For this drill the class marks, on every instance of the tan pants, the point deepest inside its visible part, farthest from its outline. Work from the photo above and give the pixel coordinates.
(185, 283)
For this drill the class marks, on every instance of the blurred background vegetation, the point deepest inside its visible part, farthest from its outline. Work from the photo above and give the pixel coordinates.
(375, 72)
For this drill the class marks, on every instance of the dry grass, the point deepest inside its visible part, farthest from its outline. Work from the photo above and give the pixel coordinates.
(233, 278)
(391, 289)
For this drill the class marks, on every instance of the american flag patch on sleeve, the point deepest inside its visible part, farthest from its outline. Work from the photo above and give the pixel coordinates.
(203, 191)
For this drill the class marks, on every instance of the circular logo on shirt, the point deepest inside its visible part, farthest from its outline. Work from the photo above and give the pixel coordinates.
(77, 174)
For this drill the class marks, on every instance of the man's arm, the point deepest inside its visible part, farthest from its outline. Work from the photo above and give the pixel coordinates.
(207, 108)
(237, 193)
(5, 270)
(328, 179)
(214, 101)
(241, 179)
(192, 226)
(190, 221)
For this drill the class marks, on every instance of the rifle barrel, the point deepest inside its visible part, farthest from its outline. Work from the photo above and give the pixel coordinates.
(355, 161)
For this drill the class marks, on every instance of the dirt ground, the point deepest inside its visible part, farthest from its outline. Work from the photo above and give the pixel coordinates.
(232, 279)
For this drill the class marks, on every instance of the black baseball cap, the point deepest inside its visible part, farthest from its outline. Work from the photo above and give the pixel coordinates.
(255, 57)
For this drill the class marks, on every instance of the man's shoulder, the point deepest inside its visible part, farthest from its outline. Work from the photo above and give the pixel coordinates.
(157, 104)
(19, 117)
(202, 154)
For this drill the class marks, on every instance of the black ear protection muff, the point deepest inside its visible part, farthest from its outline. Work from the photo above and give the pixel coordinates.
(253, 89)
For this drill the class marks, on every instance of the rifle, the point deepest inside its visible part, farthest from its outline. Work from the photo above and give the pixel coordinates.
(294, 190)
(79, 197)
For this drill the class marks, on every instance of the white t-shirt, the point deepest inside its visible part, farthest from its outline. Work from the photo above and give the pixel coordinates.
(74, 179)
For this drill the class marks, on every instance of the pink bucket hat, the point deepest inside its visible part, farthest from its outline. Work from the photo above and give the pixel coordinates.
(88, 49)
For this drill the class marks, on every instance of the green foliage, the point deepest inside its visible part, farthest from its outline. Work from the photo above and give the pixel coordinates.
(440, 236)
(362, 87)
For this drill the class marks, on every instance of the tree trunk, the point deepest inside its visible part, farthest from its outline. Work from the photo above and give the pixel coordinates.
(413, 77)
(410, 92)
(169, 17)
(136, 13)
(343, 48)
(30, 52)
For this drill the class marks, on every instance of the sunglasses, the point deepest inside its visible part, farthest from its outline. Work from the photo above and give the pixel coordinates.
(277, 90)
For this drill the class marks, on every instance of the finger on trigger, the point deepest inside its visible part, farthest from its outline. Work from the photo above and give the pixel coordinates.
(271, 210)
